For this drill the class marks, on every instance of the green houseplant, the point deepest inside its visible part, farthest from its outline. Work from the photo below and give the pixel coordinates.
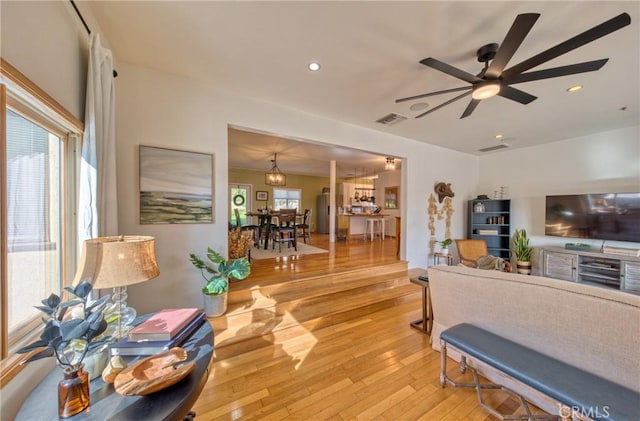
(522, 250)
(444, 245)
(217, 279)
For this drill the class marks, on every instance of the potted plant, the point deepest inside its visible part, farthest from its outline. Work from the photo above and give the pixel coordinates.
(523, 251)
(217, 284)
(73, 329)
(444, 245)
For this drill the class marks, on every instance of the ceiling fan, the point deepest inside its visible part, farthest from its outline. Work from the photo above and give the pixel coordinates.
(493, 79)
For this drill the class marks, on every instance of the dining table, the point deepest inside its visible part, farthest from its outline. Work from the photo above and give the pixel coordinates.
(265, 222)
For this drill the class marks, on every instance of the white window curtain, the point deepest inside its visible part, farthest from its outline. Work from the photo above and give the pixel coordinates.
(97, 196)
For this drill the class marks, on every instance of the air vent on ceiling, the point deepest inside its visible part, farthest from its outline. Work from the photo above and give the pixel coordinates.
(494, 148)
(391, 119)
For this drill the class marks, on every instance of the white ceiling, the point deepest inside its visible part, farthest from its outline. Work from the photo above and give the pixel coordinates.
(370, 53)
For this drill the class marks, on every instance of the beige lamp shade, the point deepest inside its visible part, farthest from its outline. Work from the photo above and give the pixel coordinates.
(110, 262)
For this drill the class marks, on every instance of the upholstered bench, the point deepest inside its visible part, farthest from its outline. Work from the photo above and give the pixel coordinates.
(578, 391)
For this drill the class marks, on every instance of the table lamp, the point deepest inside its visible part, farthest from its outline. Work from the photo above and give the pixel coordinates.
(115, 262)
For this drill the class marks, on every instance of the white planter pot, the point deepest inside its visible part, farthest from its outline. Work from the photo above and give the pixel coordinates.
(523, 267)
(215, 305)
(444, 250)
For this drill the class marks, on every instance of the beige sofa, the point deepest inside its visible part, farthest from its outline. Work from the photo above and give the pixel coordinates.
(593, 328)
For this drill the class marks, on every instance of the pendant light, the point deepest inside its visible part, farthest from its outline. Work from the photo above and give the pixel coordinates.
(275, 177)
(390, 165)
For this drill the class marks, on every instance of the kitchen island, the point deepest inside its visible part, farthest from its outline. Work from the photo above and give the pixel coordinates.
(350, 224)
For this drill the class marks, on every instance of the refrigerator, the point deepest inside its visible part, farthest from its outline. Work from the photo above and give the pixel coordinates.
(322, 212)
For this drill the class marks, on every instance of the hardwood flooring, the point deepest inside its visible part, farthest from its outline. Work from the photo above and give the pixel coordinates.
(327, 337)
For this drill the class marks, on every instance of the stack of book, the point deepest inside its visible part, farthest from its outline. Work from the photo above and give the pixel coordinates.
(161, 332)
(488, 232)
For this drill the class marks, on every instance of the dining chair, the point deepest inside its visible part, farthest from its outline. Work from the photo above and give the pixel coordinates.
(469, 251)
(285, 229)
(304, 229)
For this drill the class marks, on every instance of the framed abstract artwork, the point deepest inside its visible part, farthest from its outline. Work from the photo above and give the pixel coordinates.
(176, 187)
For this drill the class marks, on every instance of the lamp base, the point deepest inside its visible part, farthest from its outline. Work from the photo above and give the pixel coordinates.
(120, 316)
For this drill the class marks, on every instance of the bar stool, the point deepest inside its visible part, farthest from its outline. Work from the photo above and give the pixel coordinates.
(374, 225)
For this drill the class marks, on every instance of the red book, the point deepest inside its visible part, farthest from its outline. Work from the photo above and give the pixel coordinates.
(163, 325)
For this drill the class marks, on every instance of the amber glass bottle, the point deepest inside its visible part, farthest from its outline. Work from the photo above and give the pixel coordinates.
(73, 393)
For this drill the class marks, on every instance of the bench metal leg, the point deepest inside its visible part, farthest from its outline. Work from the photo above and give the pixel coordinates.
(444, 379)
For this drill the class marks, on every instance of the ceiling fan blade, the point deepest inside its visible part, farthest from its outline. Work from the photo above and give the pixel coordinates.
(472, 106)
(516, 95)
(443, 104)
(519, 30)
(450, 70)
(446, 91)
(586, 37)
(572, 69)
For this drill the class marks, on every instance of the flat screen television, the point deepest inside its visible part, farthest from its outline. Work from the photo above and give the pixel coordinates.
(606, 216)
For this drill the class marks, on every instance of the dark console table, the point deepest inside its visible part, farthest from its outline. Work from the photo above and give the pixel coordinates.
(172, 403)
(426, 323)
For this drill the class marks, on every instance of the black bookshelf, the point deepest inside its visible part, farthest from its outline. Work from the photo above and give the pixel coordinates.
(491, 223)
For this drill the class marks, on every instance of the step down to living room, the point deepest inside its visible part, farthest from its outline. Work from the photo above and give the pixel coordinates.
(256, 314)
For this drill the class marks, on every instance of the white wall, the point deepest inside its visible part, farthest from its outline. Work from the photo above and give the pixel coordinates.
(598, 163)
(159, 109)
(44, 42)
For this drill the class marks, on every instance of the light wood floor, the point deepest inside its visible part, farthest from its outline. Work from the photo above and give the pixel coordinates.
(327, 337)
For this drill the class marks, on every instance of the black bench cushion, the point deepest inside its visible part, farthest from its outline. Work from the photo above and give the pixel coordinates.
(598, 397)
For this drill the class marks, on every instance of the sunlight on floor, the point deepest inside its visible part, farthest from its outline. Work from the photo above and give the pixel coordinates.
(262, 318)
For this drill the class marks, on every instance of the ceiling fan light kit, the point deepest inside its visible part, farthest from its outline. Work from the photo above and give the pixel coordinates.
(494, 79)
(485, 90)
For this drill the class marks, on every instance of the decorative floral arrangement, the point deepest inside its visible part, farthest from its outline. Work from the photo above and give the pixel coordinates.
(72, 328)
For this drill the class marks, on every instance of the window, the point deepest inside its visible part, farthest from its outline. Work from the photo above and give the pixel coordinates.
(286, 198)
(38, 253)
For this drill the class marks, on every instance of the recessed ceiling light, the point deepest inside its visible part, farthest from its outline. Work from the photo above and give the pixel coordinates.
(574, 88)
(418, 106)
(314, 67)
(499, 136)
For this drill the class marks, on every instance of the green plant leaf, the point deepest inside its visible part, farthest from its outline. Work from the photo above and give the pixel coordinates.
(216, 285)
(238, 268)
(214, 256)
(200, 264)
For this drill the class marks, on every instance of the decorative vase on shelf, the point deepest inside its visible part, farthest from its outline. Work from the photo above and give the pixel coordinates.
(444, 250)
(73, 392)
